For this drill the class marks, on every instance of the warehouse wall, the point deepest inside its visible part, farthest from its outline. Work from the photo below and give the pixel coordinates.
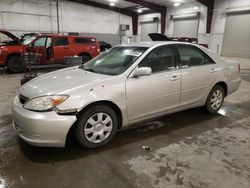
(22, 16)
(219, 20)
(189, 8)
(147, 18)
(183, 9)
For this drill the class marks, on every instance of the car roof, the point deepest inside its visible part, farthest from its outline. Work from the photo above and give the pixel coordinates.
(63, 35)
(155, 43)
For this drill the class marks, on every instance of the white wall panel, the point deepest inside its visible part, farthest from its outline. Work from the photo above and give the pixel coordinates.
(20, 16)
(237, 37)
(146, 28)
(147, 18)
(12, 21)
(185, 9)
(219, 22)
(186, 28)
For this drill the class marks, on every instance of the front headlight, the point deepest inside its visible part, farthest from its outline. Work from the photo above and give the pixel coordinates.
(44, 103)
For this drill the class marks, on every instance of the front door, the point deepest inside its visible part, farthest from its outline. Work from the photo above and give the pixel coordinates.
(40, 49)
(149, 96)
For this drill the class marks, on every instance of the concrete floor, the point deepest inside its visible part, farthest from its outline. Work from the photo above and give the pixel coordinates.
(189, 149)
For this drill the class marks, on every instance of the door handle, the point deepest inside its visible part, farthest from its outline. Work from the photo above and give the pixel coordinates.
(66, 48)
(175, 77)
(212, 70)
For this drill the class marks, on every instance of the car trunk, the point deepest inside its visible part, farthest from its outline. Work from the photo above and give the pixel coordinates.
(158, 37)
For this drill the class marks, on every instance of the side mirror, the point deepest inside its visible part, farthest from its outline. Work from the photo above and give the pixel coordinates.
(142, 71)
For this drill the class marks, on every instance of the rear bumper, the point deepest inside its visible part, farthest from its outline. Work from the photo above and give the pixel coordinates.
(41, 128)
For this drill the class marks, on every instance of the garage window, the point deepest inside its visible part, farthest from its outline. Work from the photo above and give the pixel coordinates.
(160, 59)
(191, 56)
(61, 41)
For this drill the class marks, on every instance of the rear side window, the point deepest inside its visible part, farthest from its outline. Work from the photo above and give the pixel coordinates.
(61, 41)
(85, 41)
(191, 56)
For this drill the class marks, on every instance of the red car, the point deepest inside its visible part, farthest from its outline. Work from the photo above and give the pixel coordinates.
(11, 49)
(50, 49)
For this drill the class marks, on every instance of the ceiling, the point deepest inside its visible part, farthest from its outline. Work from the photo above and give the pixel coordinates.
(133, 7)
(125, 4)
(170, 3)
(120, 3)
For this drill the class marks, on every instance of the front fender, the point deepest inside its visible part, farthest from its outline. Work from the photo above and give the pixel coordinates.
(113, 91)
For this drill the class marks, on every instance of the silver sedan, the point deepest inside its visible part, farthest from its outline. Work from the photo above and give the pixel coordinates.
(125, 85)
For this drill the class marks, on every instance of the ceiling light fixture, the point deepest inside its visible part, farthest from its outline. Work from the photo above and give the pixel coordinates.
(196, 8)
(177, 4)
(112, 4)
(139, 10)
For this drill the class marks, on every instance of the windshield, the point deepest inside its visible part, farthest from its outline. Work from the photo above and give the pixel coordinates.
(29, 40)
(115, 61)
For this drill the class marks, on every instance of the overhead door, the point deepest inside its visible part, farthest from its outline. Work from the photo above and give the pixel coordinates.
(237, 36)
(146, 28)
(186, 28)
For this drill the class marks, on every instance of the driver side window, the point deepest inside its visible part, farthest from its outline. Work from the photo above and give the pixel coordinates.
(160, 59)
(40, 42)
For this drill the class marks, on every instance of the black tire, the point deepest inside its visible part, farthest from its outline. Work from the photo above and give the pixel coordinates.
(209, 103)
(85, 58)
(15, 65)
(83, 124)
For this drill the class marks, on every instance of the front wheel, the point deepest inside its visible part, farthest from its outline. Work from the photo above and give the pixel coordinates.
(15, 65)
(97, 126)
(215, 99)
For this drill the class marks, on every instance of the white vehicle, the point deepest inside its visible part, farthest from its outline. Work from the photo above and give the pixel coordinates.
(125, 85)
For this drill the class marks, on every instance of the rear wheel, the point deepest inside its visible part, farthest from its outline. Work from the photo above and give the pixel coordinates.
(215, 99)
(15, 65)
(97, 126)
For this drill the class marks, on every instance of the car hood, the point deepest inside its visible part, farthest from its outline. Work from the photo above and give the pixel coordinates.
(158, 37)
(60, 81)
(13, 37)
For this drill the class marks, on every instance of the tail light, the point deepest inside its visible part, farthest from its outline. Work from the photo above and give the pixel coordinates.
(98, 50)
(239, 67)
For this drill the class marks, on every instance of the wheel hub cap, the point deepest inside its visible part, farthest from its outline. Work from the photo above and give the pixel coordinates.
(216, 99)
(98, 127)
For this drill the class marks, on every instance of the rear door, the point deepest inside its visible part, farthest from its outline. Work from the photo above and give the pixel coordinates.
(61, 49)
(151, 95)
(86, 45)
(198, 72)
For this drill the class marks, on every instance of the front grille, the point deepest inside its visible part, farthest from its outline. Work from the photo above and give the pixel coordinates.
(23, 99)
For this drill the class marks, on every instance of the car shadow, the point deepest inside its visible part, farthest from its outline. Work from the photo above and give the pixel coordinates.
(166, 125)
